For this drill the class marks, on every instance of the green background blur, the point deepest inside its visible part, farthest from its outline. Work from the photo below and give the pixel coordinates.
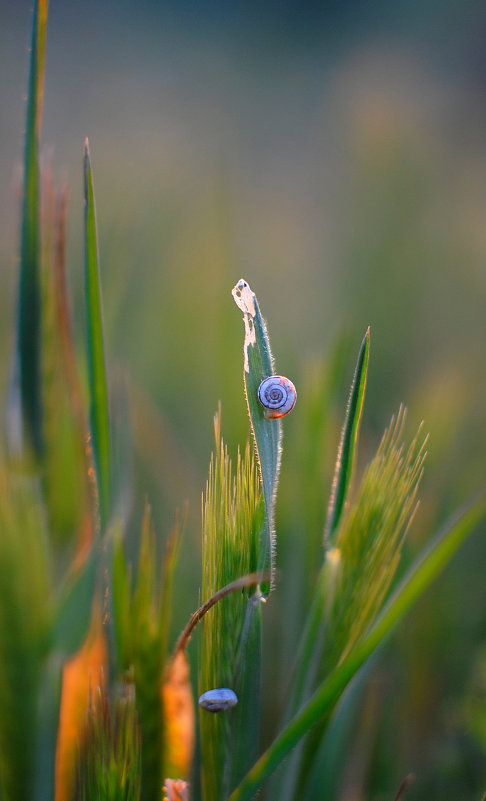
(334, 155)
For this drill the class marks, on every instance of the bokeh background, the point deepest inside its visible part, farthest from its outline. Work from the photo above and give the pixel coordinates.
(333, 154)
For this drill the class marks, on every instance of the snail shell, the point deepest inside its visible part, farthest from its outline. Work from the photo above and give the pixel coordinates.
(277, 395)
(219, 700)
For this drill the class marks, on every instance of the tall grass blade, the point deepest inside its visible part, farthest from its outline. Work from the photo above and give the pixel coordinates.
(348, 445)
(24, 617)
(73, 609)
(49, 703)
(420, 576)
(358, 572)
(29, 299)
(267, 434)
(99, 416)
(231, 640)
(312, 642)
(65, 464)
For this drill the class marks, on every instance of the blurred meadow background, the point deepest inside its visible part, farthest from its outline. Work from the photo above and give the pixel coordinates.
(335, 155)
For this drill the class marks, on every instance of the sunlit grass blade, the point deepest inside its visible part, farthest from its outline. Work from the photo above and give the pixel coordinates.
(230, 640)
(349, 442)
(179, 719)
(371, 535)
(29, 298)
(78, 678)
(99, 415)
(422, 573)
(109, 766)
(258, 364)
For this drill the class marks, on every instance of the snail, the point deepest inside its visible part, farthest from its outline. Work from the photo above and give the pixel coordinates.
(277, 395)
(219, 700)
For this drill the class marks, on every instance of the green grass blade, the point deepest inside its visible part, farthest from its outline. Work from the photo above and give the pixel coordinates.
(73, 613)
(24, 617)
(49, 696)
(258, 364)
(312, 642)
(348, 445)
(65, 470)
(29, 301)
(230, 645)
(418, 579)
(99, 416)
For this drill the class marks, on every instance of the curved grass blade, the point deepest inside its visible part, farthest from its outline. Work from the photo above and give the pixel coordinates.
(348, 445)
(267, 434)
(418, 579)
(29, 301)
(99, 416)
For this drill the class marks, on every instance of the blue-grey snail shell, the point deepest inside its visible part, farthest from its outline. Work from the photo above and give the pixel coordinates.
(277, 395)
(219, 700)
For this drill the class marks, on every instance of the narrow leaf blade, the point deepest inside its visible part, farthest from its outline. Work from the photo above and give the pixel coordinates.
(29, 299)
(422, 573)
(99, 416)
(73, 616)
(267, 434)
(348, 445)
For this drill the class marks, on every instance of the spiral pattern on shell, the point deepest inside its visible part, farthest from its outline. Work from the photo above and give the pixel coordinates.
(277, 395)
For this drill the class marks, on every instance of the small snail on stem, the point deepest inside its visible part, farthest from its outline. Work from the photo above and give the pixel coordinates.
(218, 700)
(277, 395)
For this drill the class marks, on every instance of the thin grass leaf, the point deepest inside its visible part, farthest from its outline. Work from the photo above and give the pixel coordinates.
(49, 702)
(420, 576)
(121, 602)
(169, 565)
(73, 612)
(29, 299)
(348, 445)
(67, 490)
(267, 434)
(99, 415)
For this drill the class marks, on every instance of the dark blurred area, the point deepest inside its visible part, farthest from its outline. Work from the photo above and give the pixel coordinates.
(333, 154)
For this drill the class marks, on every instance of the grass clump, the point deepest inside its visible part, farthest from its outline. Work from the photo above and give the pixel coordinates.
(370, 537)
(93, 704)
(230, 640)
